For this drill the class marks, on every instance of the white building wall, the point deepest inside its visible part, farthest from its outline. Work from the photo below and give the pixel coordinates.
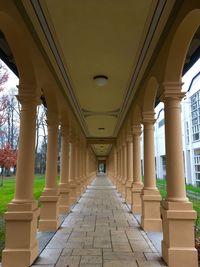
(191, 87)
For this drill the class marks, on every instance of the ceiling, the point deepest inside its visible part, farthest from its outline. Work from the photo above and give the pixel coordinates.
(98, 38)
(89, 38)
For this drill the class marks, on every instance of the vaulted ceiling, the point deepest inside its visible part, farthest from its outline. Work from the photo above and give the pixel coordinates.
(83, 39)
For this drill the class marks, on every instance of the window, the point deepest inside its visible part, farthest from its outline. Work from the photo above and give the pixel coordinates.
(161, 123)
(164, 162)
(187, 133)
(197, 164)
(195, 112)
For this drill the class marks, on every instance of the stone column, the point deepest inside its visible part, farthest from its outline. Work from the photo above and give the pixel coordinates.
(122, 169)
(151, 219)
(129, 182)
(81, 171)
(115, 166)
(137, 177)
(72, 181)
(119, 168)
(64, 174)
(49, 216)
(87, 167)
(21, 246)
(78, 166)
(124, 149)
(178, 247)
(117, 159)
(84, 151)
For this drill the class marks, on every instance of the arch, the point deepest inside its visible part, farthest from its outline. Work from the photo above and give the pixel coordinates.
(150, 93)
(18, 43)
(180, 45)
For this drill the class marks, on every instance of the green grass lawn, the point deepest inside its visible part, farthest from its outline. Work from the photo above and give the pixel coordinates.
(6, 195)
(7, 191)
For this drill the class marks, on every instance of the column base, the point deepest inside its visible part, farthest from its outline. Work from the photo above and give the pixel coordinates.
(49, 218)
(78, 189)
(136, 203)
(72, 193)
(21, 245)
(123, 183)
(86, 182)
(119, 185)
(128, 194)
(83, 185)
(178, 248)
(151, 218)
(64, 202)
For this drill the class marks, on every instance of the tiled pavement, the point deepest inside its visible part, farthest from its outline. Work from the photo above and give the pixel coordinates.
(99, 232)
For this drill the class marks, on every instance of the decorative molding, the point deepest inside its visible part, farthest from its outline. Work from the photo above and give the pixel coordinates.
(99, 140)
(112, 113)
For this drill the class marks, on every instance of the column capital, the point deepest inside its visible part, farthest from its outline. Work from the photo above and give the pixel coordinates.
(28, 94)
(129, 138)
(172, 90)
(136, 130)
(148, 117)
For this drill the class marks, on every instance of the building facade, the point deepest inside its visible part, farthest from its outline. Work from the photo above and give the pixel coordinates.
(190, 114)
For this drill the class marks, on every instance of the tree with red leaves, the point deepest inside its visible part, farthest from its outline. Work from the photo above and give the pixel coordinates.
(3, 98)
(8, 159)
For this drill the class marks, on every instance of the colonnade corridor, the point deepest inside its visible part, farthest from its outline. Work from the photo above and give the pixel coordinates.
(99, 232)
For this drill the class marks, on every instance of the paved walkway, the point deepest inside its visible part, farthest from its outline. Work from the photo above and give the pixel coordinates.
(99, 232)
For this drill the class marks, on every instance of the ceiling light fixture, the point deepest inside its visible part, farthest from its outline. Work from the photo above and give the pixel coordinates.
(100, 80)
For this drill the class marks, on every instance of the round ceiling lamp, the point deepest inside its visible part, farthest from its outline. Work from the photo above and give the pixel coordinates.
(100, 80)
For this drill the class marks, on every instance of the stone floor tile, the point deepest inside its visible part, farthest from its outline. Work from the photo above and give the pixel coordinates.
(116, 263)
(48, 256)
(107, 250)
(102, 244)
(74, 245)
(148, 263)
(78, 234)
(92, 260)
(99, 233)
(121, 247)
(67, 252)
(140, 255)
(58, 242)
(121, 256)
(85, 239)
(152, 256)
(69, 261)
(141, 246)
(87, 252)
